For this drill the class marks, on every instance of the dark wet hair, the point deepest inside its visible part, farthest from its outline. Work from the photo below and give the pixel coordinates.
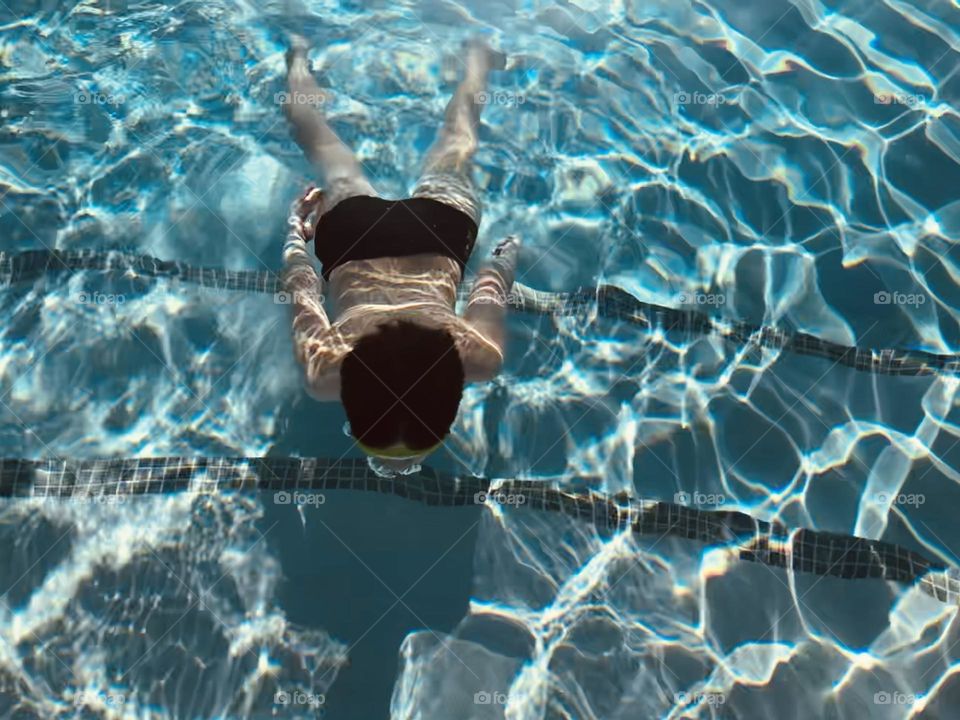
(401, 359)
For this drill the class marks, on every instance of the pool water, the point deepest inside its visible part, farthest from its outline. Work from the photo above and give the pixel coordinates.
(789, 163)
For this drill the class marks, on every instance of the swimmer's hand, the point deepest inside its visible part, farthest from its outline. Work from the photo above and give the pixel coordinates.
(507, 249)
(308, 203)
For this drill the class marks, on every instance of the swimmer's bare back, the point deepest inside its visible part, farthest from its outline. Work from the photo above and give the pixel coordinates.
(421, 287)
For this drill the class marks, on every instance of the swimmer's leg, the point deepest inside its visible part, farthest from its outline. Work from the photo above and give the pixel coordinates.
(340, 173)
(446, 169)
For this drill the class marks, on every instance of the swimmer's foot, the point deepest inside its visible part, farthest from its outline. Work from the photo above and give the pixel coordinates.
(299, 48)
(481, 59)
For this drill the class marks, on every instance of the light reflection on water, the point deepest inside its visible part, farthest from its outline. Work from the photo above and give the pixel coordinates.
(786, 164)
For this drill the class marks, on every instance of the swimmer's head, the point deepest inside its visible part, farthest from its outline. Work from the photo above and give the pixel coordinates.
(401, 387)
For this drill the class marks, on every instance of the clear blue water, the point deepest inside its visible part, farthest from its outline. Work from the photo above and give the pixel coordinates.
(783, 162)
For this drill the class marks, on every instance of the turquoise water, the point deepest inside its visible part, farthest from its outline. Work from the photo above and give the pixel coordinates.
(794, 164)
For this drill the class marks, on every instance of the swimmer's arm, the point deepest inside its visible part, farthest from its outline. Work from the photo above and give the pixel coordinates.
(314, 340)
(312, 336)
(487, 310)
(299, 280)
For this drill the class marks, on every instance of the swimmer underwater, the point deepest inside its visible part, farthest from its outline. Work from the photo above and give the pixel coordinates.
(396, 355)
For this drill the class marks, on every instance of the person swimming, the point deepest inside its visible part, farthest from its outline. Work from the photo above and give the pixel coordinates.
(397, 354)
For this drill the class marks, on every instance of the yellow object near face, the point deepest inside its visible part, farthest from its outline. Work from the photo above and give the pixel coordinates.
(397, 452)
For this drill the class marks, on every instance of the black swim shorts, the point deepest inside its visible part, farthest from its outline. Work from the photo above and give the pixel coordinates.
(364, 228)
